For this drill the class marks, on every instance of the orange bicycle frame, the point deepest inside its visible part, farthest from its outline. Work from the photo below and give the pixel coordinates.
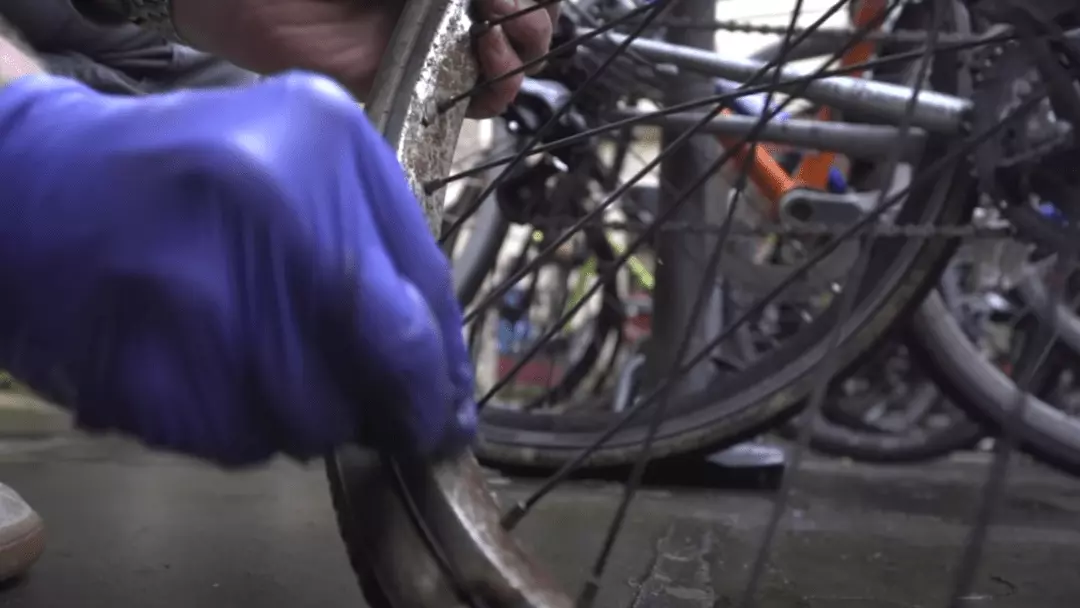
(772, 180)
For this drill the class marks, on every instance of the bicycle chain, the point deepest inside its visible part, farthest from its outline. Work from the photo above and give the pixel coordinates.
(811, 230)
(804, 230)
(895, 36)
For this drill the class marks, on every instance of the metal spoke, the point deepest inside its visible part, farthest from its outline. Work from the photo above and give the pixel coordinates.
(675, 145)
(701, 298)
(517, 512)
(657, 8)
(720, 98)
(829, 364)
(482, 27)
(633, 247)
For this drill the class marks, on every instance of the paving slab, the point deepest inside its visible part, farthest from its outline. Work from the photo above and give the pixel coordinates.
(131, 528)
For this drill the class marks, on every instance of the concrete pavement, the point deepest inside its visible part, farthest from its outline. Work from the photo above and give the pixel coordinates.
(23, 415)
(127, 527)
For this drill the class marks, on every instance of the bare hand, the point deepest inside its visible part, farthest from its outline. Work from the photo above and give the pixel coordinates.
(507, 47)
(346, 39)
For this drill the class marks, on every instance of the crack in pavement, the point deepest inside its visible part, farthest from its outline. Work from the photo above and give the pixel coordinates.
(679, 576)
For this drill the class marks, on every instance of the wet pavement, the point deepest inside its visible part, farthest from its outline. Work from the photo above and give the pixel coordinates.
(131, 528)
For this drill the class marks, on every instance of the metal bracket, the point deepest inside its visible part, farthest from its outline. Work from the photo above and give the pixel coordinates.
(804, 205)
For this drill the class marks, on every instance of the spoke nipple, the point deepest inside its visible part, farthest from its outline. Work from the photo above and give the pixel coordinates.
(588, 594)
(430, 113)
(479, 28)
(444, 106)
(433, 186)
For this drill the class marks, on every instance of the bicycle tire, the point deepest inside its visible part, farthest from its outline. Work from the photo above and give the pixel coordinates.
(987, 393)
(480, 251)
(838, 435)
(1033, 292)
(910, 447)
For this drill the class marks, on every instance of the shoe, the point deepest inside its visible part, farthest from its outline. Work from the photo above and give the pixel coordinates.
(749, 455)
(22, 535)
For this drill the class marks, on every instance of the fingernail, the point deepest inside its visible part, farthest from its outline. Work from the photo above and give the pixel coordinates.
(500, 41)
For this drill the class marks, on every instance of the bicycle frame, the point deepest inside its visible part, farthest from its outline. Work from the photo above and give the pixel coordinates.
(889, 103)
(934, 112)
(825, 137)
(850, 139)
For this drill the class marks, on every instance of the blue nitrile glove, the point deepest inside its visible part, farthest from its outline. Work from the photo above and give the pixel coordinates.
(227, 273)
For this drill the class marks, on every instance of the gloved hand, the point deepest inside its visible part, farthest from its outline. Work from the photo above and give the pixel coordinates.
(225, 273)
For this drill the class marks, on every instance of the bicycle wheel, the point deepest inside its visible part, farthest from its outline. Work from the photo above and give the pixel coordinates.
(426, 536)
(725, 409)
(978, 382)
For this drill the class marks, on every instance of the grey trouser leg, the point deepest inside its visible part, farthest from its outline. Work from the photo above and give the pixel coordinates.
(117, 59)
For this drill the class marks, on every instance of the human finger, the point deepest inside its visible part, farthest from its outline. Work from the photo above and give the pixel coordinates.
(529, 31)
(496, 57)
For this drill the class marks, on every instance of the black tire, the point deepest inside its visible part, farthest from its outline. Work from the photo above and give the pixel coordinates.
(839, 429)
(480, 252)
(911, 446)
(987, 393)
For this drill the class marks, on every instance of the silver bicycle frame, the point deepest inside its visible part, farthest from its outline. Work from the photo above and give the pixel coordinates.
(851, 139)
(934, 112)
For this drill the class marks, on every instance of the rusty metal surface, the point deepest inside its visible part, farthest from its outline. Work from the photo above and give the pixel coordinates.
(428, 139)
(491, 560)
(458, 515)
